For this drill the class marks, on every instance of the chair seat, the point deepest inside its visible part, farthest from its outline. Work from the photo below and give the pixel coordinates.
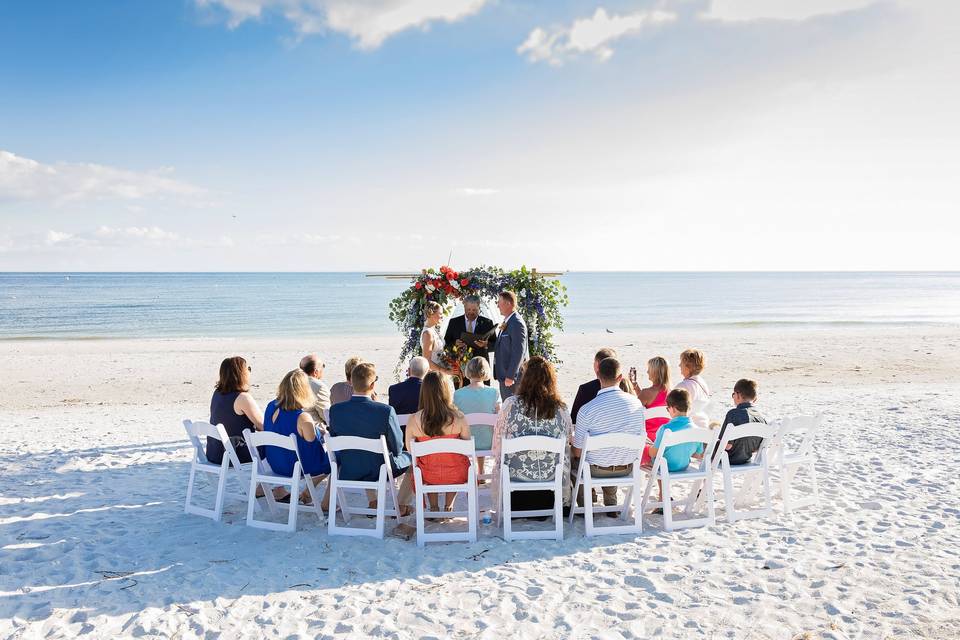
(745, 468)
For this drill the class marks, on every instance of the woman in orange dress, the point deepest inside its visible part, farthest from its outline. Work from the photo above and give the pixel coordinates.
(438, 417)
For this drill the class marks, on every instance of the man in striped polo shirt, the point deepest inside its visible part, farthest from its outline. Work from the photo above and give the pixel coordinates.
(612, 411)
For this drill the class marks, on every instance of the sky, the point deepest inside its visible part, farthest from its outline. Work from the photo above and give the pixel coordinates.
(359, 135)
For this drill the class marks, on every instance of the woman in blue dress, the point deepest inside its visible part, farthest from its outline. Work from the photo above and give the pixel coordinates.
(288, 414)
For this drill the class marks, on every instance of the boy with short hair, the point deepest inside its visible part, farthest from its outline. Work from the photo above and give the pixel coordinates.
(741, 450)
(678, 455)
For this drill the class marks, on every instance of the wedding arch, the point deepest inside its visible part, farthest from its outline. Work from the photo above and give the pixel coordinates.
(540, 297)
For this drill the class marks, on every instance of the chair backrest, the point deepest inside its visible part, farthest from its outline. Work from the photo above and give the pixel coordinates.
(336, 444)
(481, 419)
(200, 429)
(615, 440)
(532, 443)
(656, 412)
(403, 418)
(354, 443)
(443, 445)
(748, 430)
(270, 439)
(683, 436)
(798, 433)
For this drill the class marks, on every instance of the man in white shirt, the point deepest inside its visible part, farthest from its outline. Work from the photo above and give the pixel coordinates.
(612, 411)
(313, 366)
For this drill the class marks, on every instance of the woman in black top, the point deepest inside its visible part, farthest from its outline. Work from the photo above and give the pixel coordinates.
(234, 408)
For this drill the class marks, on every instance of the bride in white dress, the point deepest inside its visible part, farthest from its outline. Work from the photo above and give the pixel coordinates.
(431, 342)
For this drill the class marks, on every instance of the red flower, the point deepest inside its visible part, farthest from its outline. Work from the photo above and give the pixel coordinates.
(453, 275)
(419, 285)
(464, 282)
(444, 269)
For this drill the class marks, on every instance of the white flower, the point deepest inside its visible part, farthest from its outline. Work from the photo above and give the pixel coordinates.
(454, 284)
(431, 288)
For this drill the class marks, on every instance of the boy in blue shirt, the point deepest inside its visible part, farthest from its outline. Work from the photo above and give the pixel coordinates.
(678, 455)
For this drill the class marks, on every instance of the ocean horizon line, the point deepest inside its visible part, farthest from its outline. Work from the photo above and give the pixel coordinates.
(374, 272)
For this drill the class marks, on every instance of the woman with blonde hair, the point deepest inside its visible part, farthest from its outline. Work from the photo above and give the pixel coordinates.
(438, 417)
(692, 363)
(288, 414)
(431, 342)
(658, 372)
(478, 397)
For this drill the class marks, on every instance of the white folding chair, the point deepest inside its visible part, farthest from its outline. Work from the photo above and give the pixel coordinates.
(507, 487)
(757, 470)
(472, 513)
(636, 445)
(403, 419)
(261, 474)
(794, 446)
(230, 467)
(326, 417)
(339, 487)
(483, 420)
(656, 412)
(701, 474)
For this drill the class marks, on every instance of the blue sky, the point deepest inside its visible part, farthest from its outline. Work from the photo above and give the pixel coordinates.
(380, 134)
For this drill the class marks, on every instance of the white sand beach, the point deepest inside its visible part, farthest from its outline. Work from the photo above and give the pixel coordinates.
(94, 541)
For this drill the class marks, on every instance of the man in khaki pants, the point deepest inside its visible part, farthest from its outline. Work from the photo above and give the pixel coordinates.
(612, 411)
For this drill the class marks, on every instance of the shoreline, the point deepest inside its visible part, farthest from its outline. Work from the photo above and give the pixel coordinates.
(169, 372)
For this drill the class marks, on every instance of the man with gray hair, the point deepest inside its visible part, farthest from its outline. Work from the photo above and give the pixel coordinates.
(313, 366)
(471, 322)
(404, 396)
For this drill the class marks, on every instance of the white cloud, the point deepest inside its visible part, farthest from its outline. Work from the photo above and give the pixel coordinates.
(477, 191)
(589, 35)
(368, 22)
(25, 179)
(57, 237)
(745, 10)
(148, 234)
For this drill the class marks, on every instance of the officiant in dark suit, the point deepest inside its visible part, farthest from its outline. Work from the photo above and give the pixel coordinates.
(471, 322)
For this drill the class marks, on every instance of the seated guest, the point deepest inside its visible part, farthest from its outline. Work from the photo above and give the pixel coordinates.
(692, 364)
(478, 397)
(362, 416)
(343, 391)
(536, 410)
(234, 408)
(678, 455)
(313, 366)
(658, 372)
(588, 390)
(438, 417)
(404, 396)
(289, 414)
(614, 410)
(741, 450)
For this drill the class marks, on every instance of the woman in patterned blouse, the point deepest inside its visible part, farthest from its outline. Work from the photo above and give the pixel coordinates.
(535, 410)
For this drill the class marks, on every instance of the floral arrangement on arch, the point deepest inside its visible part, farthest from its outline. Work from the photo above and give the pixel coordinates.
(539, 300)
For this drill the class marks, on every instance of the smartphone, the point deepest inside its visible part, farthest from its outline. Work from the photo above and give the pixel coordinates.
(633, 374)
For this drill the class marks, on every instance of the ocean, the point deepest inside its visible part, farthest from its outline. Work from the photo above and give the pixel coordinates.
(168, 305)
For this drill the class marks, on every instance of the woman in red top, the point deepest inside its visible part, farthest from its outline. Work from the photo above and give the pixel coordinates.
(654, 396)
(438, 417)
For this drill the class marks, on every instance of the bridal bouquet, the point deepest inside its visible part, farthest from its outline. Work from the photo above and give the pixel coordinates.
(456, 358)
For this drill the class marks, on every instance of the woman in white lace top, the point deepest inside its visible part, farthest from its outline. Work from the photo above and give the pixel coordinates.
(431, 342)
